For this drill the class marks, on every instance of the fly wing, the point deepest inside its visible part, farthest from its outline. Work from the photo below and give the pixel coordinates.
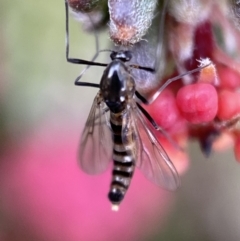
(96, 142)
(151, 157)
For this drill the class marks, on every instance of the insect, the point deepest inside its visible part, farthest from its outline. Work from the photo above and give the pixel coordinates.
(118, 128)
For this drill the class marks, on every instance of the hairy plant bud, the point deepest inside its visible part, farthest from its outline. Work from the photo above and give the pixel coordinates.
(91, 13)
(130, 20)
(235, 5)
(190, 12)
(83, 5)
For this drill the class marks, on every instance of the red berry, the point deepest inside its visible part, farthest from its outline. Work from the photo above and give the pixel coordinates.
(223, 142)
(228, 104)
(229, 78)
(165, 112)
(198, 102)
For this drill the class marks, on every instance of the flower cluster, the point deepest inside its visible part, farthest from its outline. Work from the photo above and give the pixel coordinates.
(204, 106)
(209, 102)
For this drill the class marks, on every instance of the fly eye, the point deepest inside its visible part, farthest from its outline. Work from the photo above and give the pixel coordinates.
(113, 55)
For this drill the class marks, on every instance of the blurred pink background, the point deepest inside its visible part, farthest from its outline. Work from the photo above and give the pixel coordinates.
(45, 196)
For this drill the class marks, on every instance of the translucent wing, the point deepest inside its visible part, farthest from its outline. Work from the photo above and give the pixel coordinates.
(96, 142)
(151, 157)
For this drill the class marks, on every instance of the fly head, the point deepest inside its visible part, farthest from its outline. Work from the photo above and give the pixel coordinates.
(123, 55)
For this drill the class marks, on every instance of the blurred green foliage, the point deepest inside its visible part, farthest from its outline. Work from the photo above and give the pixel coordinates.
(37, 80)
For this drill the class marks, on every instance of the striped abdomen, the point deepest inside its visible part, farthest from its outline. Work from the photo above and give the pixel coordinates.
(123, 158)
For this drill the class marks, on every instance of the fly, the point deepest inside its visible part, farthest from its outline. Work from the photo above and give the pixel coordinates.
(118, 128)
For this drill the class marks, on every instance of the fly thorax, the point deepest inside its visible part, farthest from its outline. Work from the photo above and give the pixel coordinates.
(117, 86)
